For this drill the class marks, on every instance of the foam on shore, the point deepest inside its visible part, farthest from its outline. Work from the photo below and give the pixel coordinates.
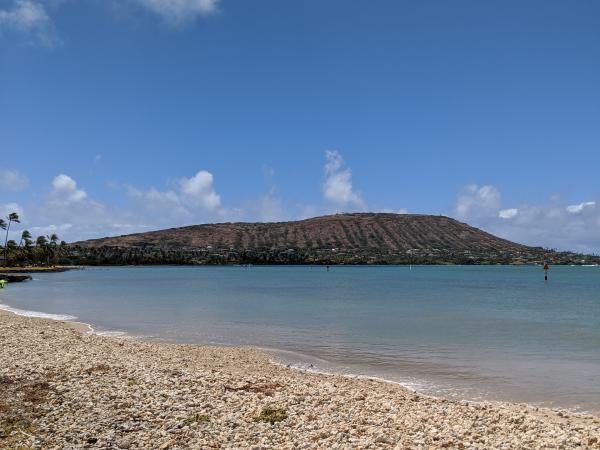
(42, 315)
(83, 326)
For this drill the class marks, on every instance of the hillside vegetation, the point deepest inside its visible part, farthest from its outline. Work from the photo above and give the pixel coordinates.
(360, 238)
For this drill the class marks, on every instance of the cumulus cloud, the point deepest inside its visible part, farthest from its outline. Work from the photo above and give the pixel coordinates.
(70, 212)
(12, 180)
(11, 207)
(29, 17)
(164, 203)
(25, 15)
(576, 209)
(192, 199)
(65, 190)
(178, 12)
(337, 187)
(199, 190)
(508, 213)
(475, 201)
(572, 227)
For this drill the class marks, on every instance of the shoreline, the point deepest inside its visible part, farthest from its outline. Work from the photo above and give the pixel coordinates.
(39, 269)
(275, 358)
(126, 393)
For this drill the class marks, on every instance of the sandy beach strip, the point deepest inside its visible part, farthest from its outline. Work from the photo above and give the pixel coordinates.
(63, 388)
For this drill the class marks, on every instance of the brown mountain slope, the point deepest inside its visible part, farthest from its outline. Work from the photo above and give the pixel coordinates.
(389, 232)
(361, 238)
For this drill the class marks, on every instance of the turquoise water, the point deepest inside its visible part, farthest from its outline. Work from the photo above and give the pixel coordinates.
(480, 332)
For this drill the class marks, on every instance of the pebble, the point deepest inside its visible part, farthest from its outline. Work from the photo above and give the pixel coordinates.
(113, 392)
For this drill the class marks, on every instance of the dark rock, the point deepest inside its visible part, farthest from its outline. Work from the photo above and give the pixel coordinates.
(14, 278)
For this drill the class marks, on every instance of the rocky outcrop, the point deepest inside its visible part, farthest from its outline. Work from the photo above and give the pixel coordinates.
(14, 278)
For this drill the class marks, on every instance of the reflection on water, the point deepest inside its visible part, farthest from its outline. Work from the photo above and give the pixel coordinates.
(489, 332)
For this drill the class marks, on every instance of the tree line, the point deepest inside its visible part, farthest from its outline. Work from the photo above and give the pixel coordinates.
(43, 250)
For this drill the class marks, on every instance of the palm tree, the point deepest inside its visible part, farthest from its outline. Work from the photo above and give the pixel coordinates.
(42, 243)
(12, 217)
(51, 244)
(26, 240)
(3, 227)
(25, 237)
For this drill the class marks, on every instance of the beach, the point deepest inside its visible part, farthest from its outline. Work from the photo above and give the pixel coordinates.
(64, 387)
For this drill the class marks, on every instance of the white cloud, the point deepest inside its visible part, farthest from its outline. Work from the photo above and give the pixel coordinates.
(475, 201)
(266, 208)
(70, 211)
(64, 190)
(167, 203)
(12, 180)
(192, 200)
(576, 209)
(7, 208)
(395, 211)
(30, 17)
(337, 187)
(508, 213)
(573, 227)
(199, 190)
(178, 12)
(25, 15)
(50, 229)
(73, 215)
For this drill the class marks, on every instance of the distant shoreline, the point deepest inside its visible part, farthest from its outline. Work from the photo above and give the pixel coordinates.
(19, 270)
(38, 269)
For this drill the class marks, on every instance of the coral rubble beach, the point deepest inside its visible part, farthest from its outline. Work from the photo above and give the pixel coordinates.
(62, 388)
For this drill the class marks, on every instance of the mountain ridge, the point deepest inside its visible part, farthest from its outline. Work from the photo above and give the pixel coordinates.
(349, 225)
(345, 238)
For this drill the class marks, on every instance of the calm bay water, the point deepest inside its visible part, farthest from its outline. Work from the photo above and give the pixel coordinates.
(493, 332)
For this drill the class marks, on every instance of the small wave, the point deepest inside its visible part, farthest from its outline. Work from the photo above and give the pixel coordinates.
(42, 315)
(110, 333)
(63, 317)
(413, 386)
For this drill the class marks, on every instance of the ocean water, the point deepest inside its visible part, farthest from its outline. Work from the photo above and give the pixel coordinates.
(484, 332)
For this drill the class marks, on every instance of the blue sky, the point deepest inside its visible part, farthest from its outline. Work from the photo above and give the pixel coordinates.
(120, 116)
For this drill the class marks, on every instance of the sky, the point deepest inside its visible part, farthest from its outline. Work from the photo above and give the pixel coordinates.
(119, 116)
